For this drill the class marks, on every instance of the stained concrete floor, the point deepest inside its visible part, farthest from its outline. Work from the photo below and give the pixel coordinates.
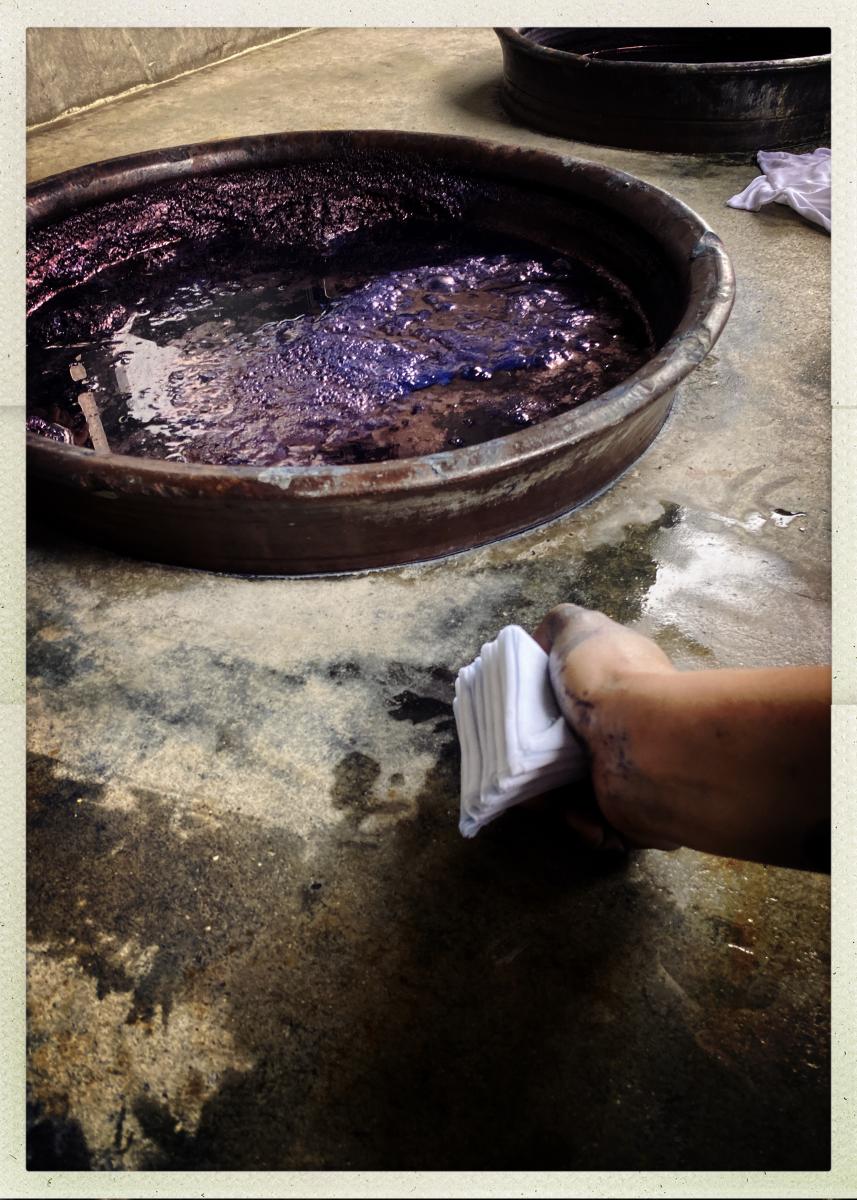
(256, 937)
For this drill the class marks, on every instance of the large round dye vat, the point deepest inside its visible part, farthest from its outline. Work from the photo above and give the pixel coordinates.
(696, 90)
(332, 187)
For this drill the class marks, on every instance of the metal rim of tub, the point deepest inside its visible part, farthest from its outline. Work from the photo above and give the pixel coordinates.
(572, 95)
(332, 519)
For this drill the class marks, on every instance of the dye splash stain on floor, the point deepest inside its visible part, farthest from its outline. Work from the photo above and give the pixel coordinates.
(429, 342)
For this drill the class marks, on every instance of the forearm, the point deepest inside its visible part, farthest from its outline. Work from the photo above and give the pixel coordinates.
(728, 762)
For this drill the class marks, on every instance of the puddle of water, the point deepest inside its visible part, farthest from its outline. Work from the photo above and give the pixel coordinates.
(732, 594)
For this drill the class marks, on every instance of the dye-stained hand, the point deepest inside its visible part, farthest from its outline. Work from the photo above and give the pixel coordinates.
(732, 761)
(593, 663)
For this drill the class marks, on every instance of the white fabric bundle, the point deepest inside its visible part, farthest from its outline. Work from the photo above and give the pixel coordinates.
(515, 743)
(799, 180)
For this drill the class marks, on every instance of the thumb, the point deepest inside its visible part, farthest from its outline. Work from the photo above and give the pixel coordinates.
(589, 655)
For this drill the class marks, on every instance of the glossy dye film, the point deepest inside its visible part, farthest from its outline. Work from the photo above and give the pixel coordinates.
(293, 317)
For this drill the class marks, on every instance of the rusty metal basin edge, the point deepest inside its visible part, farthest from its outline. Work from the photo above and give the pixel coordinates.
(527, 46)
(299, 520)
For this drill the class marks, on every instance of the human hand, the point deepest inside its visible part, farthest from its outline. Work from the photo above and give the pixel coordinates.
(730, 761)
(605, 677)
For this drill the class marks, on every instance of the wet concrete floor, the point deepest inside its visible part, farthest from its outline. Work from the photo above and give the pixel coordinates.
(257, 939)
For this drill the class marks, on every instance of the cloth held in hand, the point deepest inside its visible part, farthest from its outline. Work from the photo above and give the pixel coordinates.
(515, 743)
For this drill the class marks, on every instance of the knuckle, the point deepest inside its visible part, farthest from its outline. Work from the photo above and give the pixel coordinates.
(561, 614)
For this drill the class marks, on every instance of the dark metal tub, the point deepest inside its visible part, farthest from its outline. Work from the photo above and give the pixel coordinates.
(309, 520)
(697, 90)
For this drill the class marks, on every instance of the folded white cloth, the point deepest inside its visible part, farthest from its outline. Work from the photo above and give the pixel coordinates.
(515, 743)
(799, 180)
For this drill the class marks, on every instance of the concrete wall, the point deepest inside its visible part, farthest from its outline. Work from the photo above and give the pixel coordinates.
(67, 68)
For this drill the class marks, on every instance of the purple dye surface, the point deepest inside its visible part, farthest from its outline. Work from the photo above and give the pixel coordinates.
(384, 347)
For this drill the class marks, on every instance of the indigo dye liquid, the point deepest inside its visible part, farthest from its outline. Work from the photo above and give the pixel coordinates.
(394, 347)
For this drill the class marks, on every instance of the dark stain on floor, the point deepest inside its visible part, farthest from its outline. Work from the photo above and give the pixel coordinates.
(54, 1143)
(408, 706)
(442, 1005)
(409, 1000)
(616, 577)
(355, 778)
(613, 577)
(158, 875)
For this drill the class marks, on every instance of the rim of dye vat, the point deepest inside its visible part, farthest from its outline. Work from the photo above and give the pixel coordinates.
(519, 37)
(707, 310)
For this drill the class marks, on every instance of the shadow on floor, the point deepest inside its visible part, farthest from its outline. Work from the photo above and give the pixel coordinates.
(478, 98)
(410, 1000)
